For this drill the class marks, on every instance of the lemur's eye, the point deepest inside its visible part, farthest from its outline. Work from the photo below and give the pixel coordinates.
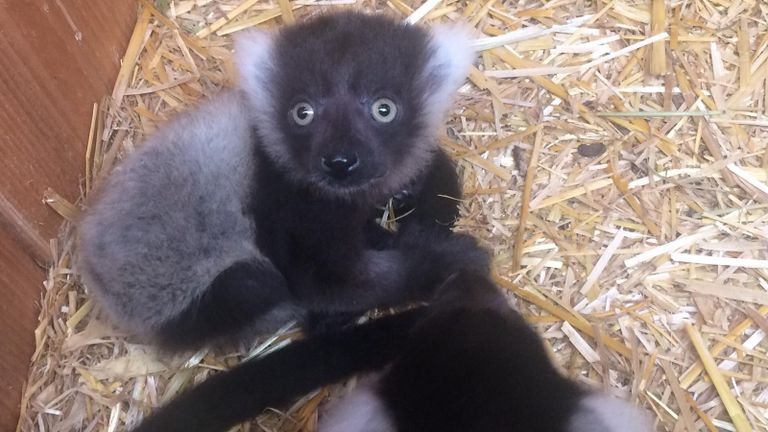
(303, 113)
(383, 110)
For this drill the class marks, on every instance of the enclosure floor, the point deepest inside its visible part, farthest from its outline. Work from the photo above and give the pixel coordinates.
(614, 156)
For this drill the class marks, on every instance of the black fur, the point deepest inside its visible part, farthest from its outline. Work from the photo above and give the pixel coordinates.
(319, 247)
(229, 398)
(321, 244)
(475, 365)
(434, 200)
(242, 291)
(467, 362)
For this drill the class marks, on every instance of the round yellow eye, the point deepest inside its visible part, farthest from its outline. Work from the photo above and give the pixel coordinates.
(383, 110)
(303, 113)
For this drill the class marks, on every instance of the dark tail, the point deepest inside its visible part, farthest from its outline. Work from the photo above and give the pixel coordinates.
(235, 396)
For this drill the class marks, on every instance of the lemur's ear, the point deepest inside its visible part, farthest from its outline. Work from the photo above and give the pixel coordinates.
(451, 55)
(254, 60)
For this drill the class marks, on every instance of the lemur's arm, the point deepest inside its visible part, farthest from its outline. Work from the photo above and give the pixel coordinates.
(430, 202)
(278, 378)
(435, 201)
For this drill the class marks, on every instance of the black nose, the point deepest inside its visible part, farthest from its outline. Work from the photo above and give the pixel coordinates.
(339, 166)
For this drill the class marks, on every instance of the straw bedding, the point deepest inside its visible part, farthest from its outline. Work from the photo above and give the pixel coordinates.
(614, 155)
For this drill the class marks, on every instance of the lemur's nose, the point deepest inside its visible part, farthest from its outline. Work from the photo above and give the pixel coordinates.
(341, 165)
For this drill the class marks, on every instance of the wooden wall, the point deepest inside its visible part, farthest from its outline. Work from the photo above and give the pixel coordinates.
(57, 57)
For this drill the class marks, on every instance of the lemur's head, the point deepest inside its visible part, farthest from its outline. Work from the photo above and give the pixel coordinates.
(349, 101)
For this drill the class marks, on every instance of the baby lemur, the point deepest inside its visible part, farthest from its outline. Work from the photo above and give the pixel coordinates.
(255, 207)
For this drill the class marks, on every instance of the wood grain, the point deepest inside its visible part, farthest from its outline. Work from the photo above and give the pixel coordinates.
(57, 57)
(49, 81)
(20, 282)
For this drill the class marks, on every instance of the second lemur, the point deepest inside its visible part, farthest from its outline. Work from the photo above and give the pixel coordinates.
(466, 363)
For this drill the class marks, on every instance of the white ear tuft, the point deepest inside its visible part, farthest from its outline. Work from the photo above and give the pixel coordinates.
(254, 60)
(602, 413)
(452, 53)
(450, 58)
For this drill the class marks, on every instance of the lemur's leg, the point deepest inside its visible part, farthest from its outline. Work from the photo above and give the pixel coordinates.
(245, 291)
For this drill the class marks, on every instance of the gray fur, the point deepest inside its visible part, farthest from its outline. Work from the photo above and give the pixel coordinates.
(362, 410)
(602, 413)
(170, 217)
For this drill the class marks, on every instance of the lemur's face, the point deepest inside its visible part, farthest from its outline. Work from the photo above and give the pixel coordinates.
(349, 102)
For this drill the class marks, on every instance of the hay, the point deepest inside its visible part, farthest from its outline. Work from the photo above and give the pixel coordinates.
(633, 134)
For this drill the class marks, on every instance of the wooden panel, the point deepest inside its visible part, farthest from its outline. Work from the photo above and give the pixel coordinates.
(57, 57)
(20, 282)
